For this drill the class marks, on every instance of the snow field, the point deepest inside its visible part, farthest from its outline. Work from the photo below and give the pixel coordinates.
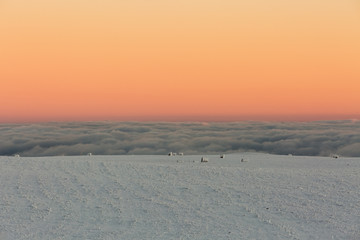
(161, 197)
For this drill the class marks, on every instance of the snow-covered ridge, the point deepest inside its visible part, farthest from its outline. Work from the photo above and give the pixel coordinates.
(178, 197)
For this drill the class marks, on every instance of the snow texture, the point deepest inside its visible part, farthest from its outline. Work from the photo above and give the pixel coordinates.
(161, 197)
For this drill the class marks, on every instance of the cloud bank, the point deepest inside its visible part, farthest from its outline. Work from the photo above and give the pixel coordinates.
(113, 138)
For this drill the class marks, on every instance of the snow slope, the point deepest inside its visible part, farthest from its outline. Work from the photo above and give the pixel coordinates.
(161, 197)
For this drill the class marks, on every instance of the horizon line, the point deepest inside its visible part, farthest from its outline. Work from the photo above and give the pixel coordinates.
(191, 118)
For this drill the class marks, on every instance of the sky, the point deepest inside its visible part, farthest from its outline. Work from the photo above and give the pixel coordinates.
(77, 60)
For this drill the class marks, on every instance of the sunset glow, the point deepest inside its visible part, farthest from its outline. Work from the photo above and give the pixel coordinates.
(179, 60)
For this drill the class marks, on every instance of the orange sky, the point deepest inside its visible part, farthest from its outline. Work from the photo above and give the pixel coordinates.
(185, 60)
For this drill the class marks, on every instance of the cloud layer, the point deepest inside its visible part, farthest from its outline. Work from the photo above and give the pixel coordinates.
(105, 138)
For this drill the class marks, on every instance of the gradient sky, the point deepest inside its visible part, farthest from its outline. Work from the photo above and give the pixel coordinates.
(179, 60)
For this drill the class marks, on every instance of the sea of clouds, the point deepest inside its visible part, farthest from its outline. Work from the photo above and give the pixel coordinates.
(321, 138)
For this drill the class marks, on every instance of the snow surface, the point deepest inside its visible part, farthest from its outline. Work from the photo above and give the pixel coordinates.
(178, 197)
